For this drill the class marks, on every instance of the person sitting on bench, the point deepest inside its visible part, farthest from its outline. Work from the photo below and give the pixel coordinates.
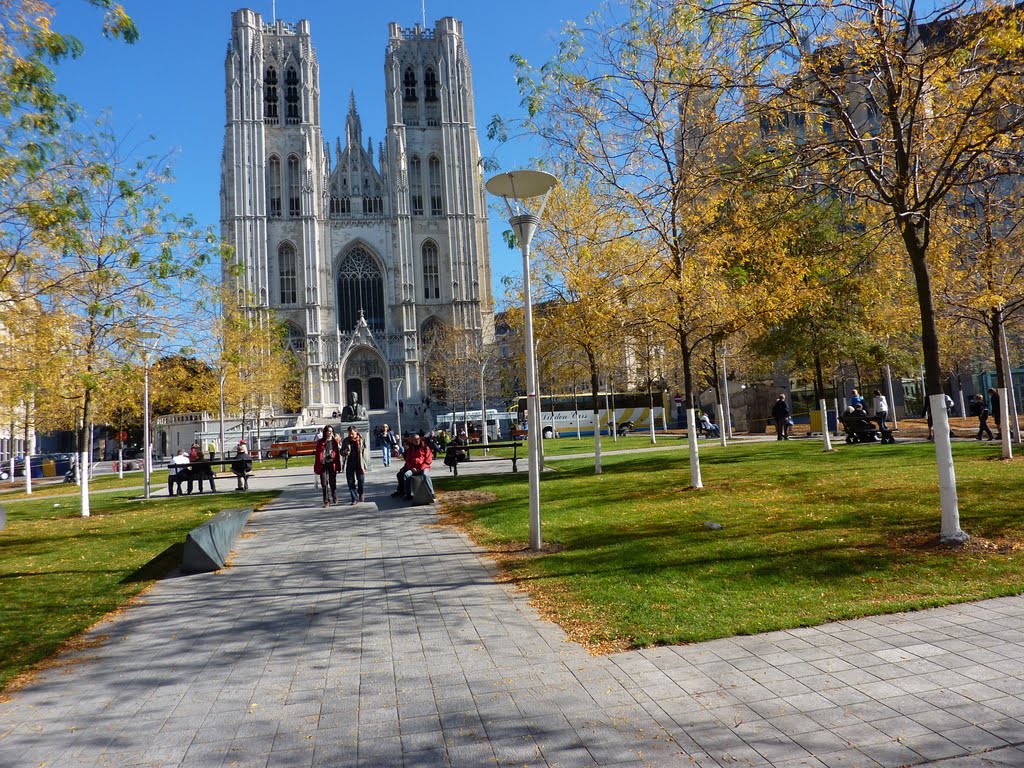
(177, 472)
(241, 465)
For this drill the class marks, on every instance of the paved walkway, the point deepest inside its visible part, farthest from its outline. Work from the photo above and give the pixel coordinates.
(366, 636)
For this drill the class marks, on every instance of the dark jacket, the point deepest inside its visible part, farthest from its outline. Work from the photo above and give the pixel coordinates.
(781, 409)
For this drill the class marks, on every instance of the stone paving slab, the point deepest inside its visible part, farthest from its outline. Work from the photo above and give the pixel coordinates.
(367, 636)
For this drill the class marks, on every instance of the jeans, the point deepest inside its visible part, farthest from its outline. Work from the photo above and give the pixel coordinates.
(385, 455)
(356, 481)
(329, 479)
(882, 417)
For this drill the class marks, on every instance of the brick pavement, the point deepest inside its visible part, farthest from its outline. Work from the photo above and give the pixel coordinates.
(367, 636)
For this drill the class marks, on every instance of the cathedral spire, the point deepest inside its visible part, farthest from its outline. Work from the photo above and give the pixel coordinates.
(353, 126)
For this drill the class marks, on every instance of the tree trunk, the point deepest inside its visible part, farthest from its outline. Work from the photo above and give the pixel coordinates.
(691, 414)
(83, 452)
(595, 389)
(996, 330)
(819, 379)
(914, 230)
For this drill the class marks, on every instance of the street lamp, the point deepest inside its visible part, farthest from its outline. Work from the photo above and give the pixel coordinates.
(398, 388)
(147, 468)
(515, 188)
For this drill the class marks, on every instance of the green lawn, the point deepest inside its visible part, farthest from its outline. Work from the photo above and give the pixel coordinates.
(61, 573)
(808, 537)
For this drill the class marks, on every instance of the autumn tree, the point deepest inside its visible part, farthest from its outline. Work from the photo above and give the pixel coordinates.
(903, 109)
(40, 208)
(981, 280)
(253, 366)
(638, 104)
(130, 261)
(586, 262)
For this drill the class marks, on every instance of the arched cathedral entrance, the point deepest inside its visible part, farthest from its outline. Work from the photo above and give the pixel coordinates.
(366, 375)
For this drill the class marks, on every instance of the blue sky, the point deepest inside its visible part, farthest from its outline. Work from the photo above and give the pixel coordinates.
(170, 84)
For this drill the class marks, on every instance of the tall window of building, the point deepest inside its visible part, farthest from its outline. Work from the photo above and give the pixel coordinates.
(429, 85)
(270, 96)
(286, 273)
(293, 112)
(409, 84)
(294, 187)
(415, 186)
(274, 185)
(360, 288)
(431, 275)
(436, 202)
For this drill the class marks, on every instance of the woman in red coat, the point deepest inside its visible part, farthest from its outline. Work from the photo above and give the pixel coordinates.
(327, 463)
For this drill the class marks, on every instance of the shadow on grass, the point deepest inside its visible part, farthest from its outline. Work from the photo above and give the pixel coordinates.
(163, 565)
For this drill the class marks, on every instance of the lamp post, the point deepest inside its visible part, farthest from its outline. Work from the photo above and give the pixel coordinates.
(398, 388)
(514, 188)
(147, 456)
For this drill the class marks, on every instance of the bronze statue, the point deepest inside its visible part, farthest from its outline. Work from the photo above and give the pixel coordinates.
(354, 410)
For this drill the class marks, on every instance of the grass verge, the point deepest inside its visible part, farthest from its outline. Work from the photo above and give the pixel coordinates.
(808, 537)
(61, 573)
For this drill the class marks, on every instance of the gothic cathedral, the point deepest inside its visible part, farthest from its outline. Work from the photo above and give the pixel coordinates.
(365, 256)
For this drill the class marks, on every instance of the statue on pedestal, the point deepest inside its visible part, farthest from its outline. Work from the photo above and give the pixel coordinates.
(354, 410)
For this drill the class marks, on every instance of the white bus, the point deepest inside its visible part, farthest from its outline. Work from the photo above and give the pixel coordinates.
(563, 414)
(499, 424)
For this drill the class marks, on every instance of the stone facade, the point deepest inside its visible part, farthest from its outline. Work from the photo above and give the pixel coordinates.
(363, 250)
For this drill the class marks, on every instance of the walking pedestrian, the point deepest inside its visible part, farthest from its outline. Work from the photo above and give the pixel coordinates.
(357, 460)
(981, 411)
(881, 407)
(389, 444)
(327, 463)
(997, 411)
(780, 412)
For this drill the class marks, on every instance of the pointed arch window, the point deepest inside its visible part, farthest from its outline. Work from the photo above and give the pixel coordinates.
(294, 187)
(430, 85)
(293, 111)
(436, 201)
(409, 84)
(296, 338)
(286, 272)
(274, 185)
(270, 96)
(360, 289)
(415, 186)
(431, 274)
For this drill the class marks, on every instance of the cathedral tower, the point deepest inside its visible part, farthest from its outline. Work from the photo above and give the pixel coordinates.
(364, 255)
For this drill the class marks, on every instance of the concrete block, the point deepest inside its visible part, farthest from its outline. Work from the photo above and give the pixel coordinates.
(417, 488)
(207, 546)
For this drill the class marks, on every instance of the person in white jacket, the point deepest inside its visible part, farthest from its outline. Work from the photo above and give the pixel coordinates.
(881, 408)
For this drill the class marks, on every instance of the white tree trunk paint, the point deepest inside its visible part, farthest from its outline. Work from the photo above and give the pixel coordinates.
(721, 425)
(83, 473)
(1005, 432)
(597, 446)
(826, 440)
(951, 532)
(691, 438)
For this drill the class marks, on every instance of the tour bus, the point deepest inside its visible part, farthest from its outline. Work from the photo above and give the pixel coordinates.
(498, 424)
(565, 414)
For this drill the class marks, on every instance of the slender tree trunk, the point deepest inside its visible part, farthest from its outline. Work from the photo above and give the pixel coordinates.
(997, 328)
(83, 452)
(691, 411)
(914, 230)
(595, 389)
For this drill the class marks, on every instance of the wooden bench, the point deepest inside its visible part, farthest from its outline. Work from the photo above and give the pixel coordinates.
(452, 456)
(187, 471)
